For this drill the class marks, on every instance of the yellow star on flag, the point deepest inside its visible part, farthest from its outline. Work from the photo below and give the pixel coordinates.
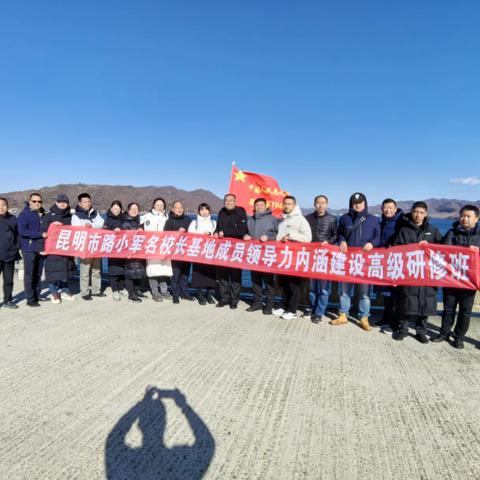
(240, 176)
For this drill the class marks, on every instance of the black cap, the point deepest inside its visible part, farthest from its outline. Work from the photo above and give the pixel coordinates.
(357, 198)
(62, 197)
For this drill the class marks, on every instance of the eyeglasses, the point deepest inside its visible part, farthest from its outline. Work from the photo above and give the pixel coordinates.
(36, 201)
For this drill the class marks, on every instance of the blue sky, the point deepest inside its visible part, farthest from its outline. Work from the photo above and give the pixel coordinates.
(329, 97)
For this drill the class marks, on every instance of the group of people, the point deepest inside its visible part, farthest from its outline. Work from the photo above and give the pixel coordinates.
(26, 234)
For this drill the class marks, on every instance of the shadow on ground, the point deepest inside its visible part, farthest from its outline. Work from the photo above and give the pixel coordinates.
(152, 459)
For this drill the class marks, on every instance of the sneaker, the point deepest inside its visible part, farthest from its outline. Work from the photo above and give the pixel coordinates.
(100, 294)
(116, 296)
(10, 305)
(157, 298)
(87, 298)
(386, 329)
(267, 311)
(134, 300)
(315, 318)
(221, 304)
(189, 298)
(307, 313)
(202, 301)
(55, 298)
(66, 295)
(278, 311)
(233, 306)
(254, 308)
(289, 316)
(211, 300)
(123, 293)
(440, 337)
(176, 300)
(141, 295)
(33, 303)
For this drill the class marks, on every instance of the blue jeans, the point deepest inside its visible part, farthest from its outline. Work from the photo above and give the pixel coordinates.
(319, 294)
(55, 287)
(364, 298)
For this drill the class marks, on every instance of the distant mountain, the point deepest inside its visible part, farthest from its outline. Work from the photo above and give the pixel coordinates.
(103, 195)
(437, 207)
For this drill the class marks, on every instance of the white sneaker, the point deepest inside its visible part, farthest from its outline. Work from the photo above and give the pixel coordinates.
(289, 316)
(278, 311)
(67, 296)
(124, 293)
(116, 296)
(388, 330)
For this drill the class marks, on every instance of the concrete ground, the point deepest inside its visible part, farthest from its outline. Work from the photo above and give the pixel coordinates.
(122, 391)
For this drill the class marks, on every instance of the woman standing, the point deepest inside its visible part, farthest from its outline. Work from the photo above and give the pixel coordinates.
(179, 222)
(134, 268)
(116, 266)
(203, 275)
(157, 270)
(58, 268)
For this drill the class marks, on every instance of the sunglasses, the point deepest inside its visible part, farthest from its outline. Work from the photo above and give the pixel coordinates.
(36, 201)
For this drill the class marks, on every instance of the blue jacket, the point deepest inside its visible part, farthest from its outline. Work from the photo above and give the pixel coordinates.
(30, 230)
(389, 228)
(9, 241)
(357, 229)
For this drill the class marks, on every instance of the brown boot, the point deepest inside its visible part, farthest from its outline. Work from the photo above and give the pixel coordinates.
(364, 324)
(340, 320)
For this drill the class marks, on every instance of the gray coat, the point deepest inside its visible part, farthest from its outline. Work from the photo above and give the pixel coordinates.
(262, 224)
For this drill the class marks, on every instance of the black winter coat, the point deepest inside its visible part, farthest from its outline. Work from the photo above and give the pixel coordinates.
(457, 235)
(9, 239)
(176, 222)
(116, 266)
(134, 268)
(421, 301)
(58, 268)
(233, 223)
(324, 228)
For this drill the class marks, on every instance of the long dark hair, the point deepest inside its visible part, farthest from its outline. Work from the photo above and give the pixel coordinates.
(118, 203)
(162, 200)
(204, 205)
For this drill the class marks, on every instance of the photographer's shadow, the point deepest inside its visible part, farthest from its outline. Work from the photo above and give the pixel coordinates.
(152, 459)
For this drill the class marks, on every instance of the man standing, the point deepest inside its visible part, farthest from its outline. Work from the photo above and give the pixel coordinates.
(293, 227)
(357, 228)
(415, 303)
(389, 224)
(262, 226)
(31, 240)
(86, 216)
(324, 231)
(232, 222)
(9, 247)
(465, 233)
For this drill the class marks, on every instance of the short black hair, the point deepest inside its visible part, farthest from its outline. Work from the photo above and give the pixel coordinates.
(203, 205)
(178, 201)
(3, 199)
(118, 203)
(229, 195)
(260, 199)
(389, 200)
(419, 205)
(320, 196)
(82, 196)
(290, 197)
(34, 194)
(470, 208)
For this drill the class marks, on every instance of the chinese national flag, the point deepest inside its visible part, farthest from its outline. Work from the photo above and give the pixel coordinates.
(248, 186)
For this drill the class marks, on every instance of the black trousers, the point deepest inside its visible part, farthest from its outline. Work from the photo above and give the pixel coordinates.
(292, 287)
(230, 284)
(32, 274)
(8, 270)
(390, 316)
(179, 280)
(117, 282)
(420, 322)
(464, 300)
(263, 282)
(132, 286)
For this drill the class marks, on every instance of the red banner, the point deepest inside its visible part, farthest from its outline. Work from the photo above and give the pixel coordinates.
(435, 265)
(248, 186)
